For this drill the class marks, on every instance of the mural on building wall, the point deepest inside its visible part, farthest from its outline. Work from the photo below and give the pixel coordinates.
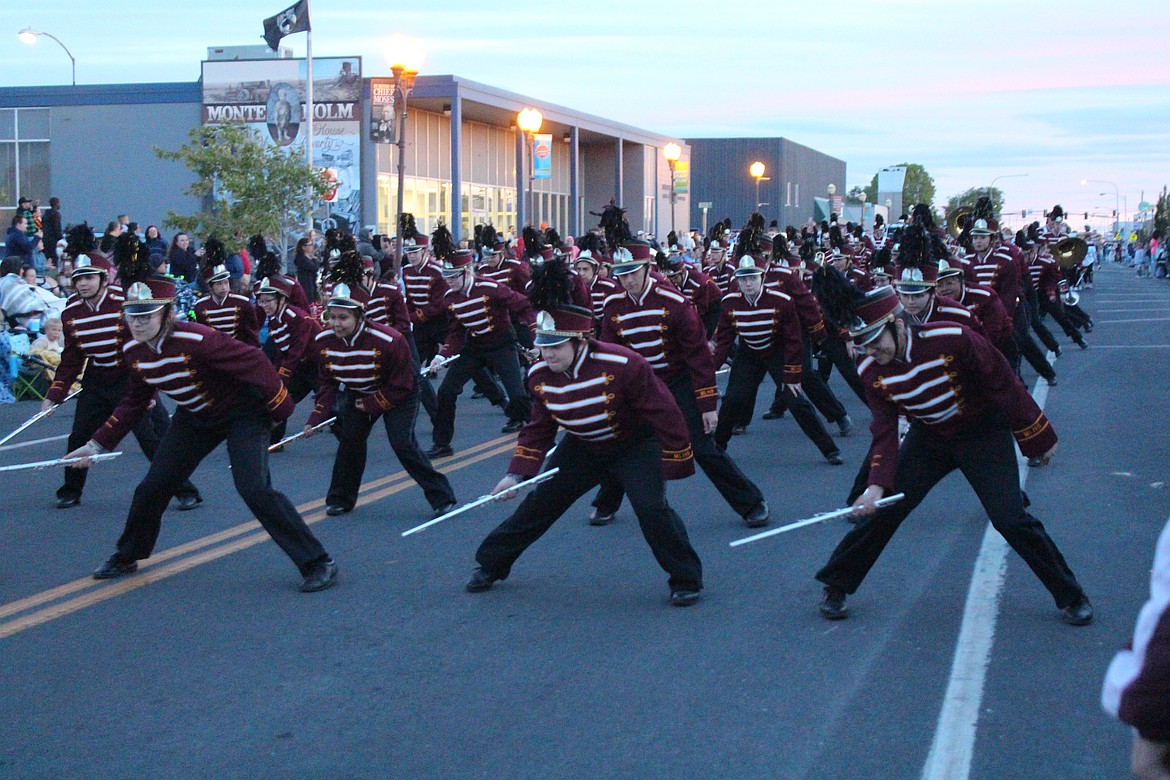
(270, 95)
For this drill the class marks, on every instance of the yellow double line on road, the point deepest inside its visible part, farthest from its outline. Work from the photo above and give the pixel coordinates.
(213, 546)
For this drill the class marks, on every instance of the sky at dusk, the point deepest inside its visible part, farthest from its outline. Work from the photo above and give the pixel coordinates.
(972, 91)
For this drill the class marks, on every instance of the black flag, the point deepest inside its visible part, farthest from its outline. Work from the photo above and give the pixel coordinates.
(293, 19)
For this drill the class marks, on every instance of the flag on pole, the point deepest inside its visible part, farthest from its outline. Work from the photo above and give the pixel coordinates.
(293, 19)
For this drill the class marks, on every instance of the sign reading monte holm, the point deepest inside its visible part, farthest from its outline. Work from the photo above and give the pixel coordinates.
(269, 96)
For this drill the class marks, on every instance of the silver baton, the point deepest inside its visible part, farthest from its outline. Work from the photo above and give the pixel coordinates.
(296, 436)
(815, 519)
(541, 477)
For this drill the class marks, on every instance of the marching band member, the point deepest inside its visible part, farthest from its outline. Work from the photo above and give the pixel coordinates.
(365, 370)
(95, 332)
(661, 325)
(483, 337)
(221, 308)
(621, 424)
(770, 342)
(226, 391)
(967, 411)
(290, 330)
(699, 288)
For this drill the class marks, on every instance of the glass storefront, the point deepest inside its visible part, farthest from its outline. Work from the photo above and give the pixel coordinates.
(24, 157)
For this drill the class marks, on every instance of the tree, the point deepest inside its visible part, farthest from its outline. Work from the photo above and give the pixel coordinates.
(969, 198)
(1162, 212)
(918, 187)
(246, 186)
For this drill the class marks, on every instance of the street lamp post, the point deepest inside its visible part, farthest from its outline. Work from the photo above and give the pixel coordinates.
(1116, 201)
(672, 152)
(862, 196)
(832, 190)
(757, 170)
(529, 121)
(29, 35)
(405, 59)
(997, 178)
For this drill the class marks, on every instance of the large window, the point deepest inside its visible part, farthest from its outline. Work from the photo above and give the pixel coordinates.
(24, 157)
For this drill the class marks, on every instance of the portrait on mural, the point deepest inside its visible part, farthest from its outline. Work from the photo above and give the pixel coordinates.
(283, 111)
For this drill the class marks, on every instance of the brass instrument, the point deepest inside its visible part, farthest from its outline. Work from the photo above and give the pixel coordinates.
(1069, 252)
(955, 220)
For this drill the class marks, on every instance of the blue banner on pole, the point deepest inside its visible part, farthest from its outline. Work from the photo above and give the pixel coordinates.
(542, 156)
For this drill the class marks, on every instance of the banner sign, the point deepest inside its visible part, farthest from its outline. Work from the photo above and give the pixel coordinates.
(542, 156)
(682, 177)
(269, 96)
(383, 118)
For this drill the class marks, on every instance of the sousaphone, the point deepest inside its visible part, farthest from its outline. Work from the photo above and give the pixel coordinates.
(955, 220)
(1069, 252)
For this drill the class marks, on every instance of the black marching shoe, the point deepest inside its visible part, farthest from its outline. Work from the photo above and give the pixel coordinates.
(321, 575)
(480, 581)
(333, 510)
(1051, 381)
(118, 565)
(1035, 462)
(439, 451)
(834, 459)
(442, 509)
(683, 597)
(738, 430)
(1083, 344)
(845, 426)
(770, 415)
(597, 517)
(1078, 613)
(758, 517)
(833, 605)
(512, 426)
(68, 502)
(187, 503)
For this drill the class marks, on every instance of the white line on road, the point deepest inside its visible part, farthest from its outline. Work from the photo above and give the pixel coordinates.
(954, 735)
(1111, 322)
(1130, 346)
(7, 447)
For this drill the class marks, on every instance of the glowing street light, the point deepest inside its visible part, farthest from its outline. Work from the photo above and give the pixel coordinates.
(405, 56)
(757, 170)
(672, 152)
(29, 35)
(529, 120)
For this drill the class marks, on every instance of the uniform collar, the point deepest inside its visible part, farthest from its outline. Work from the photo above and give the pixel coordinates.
(582, 356)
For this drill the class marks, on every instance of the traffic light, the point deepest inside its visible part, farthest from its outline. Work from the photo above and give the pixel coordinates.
(1086, 215)
(1023, 213)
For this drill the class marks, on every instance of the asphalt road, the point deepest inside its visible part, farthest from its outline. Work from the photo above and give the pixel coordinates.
(209, 663)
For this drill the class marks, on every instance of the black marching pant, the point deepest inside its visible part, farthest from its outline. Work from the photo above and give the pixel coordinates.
(739, 491)
(836, 353)
(637, 468)
(429, 337)
(299, 385)
(1055, 309)
(187, 442)
(1026, 346)
(95, 404)
(747, 372)
(353, 432)
(505, 361)
(1041, 330)
(818, 390)
(988, 461)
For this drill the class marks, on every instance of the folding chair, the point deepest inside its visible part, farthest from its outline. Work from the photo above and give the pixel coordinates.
(32, 379)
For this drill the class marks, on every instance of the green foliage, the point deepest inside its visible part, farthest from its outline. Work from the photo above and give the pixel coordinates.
(969, 198)
(246, 186)
(1162, 212)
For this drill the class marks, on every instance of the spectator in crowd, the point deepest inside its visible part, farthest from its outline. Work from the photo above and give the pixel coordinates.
(182, 259)
(113, 230)
(155, 243)
(17, 241)
(51, 230)
(26, 209)
(305, 260)
(1137, 685)
(47, 296)
(6, 396)
(52, 340)
(65, 276)
(19, 301)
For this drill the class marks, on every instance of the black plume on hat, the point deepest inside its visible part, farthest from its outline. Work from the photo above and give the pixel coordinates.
(406, 226)
(442, 242)
(214, 252)
(1057, 211)
(257, 247)
(917, 247)
(748, 241)
(79, 239)
(878, 220)
(268, 265)
(533, 242)
(983, 209)
(347, 269)
(552, 285)
(591, 242)
(837, 295)
(1021, 239)
(133, 260)
(551, 236)
(487, 237)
